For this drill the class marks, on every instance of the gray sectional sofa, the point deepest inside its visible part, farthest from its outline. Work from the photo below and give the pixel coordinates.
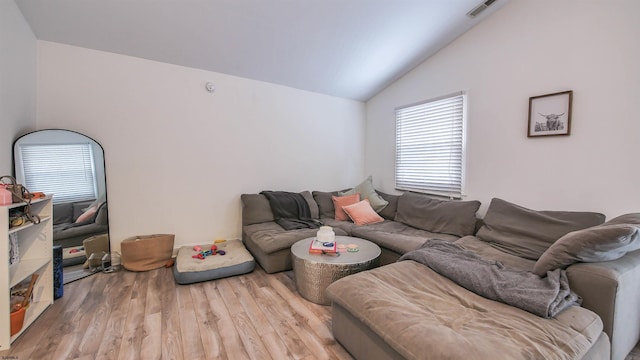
(404, 309)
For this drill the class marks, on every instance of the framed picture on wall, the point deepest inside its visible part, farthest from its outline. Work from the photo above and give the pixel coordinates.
(550, 114)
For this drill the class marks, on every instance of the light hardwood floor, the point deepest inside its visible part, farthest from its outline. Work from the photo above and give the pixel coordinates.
(146, 315)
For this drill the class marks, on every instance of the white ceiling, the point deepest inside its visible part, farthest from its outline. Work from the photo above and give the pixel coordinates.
(345, 48)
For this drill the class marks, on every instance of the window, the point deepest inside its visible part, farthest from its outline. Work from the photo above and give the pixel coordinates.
(430, 146)
(64, 170)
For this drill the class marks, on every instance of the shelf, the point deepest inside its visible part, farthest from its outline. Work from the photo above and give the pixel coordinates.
(28, 224)
(35, 242)
(35, 201)
(34, 310)
(24, 269)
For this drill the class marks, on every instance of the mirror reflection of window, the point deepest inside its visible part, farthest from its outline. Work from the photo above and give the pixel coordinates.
(65, 170)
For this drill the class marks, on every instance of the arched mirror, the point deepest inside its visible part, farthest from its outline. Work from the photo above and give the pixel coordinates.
(70, 166)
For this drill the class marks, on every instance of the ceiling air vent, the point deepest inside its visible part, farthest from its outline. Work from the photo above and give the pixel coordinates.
(480, 8)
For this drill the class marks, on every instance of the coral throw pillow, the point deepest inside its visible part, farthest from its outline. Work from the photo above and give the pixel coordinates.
(362, 213)
(340, 201)
(85, 216)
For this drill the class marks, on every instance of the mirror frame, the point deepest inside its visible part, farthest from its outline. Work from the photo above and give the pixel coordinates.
(104, 173)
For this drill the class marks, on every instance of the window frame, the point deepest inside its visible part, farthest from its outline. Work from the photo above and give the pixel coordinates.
(461, 145)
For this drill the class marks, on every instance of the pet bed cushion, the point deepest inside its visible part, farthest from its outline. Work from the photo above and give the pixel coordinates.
(237, 260)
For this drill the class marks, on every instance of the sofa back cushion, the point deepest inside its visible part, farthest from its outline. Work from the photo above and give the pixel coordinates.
(62, 213)
(325, 203)
(80, 208)
(528, 233)
(102, 216)
(389, 211)
(440, 216)
(256, 208)
(609, 241)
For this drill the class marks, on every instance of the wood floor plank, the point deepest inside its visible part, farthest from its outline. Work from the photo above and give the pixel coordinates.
(119, 299)
(171, 334)
(206, 321)
(151, 344)
(134, 324)
(191, 345)
(146, 315)
(279, 320)
(230, 337)
(250, 338)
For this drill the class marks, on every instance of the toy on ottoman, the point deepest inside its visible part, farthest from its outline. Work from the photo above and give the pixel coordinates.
(201, 263)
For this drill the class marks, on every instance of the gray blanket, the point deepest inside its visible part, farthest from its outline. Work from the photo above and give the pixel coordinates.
(545, 297)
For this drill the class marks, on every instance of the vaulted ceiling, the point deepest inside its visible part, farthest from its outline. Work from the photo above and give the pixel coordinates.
(345, 48)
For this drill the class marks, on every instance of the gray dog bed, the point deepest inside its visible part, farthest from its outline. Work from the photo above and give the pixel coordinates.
(237, 260)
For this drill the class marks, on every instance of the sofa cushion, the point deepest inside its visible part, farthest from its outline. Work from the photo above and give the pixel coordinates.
(421, 314)
(609, 241)
(397, 236)
(340, 201)
(389, 211)
(313, 205)
(367, 191)
(439, 216)
(102, 216)
(80, 207)
(325, 203)
(62, 213)
(528, 233)
(346, 226)
(271, 237)
(87, 216)
(257, 209)
(488, 252)
(361, 213)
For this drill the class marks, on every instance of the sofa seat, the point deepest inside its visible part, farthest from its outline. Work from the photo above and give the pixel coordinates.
(271, 244)
(396, 238)
(419, 314)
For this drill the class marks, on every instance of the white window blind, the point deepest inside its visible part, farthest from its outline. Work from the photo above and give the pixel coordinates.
(430, 146)
(64, 170)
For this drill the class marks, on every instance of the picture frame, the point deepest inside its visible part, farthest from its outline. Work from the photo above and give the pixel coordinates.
(550, 114)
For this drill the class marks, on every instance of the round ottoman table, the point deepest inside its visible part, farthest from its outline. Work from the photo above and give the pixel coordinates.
(314, 272)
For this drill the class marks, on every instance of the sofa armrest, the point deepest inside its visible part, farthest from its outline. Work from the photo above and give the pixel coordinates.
(611, 289)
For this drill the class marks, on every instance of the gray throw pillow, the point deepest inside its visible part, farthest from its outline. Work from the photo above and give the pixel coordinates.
(529, 233)
(453, 217)
(367, 191)
(606, 242)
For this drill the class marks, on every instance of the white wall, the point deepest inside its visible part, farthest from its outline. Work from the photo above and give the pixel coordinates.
(17, 80)
(529, 48)
(178, 157)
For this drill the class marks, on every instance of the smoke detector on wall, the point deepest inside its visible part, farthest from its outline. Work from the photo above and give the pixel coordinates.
(480, 8)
